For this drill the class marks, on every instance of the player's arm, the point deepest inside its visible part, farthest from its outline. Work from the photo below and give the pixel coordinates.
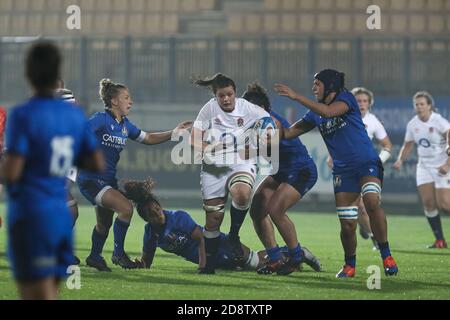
(445, 168)
(197, 235)
(300, 127)
(386, 146)
(148, 252)
(328, 111)
(163, 136)
(12, 168)
(405, 151)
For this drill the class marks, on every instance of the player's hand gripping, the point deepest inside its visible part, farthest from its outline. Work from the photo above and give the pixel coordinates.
(185, 125)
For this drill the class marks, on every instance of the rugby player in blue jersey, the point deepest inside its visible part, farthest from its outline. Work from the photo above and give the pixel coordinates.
(357, 169)
(112, 129)
(296, 175)
(45, 138)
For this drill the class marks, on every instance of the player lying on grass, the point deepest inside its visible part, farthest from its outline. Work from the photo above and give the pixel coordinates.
(176, 232)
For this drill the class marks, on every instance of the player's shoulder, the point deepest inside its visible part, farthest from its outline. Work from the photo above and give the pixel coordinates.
(246, 106)
(437, 117)
(414, 121)
(96, 116)
(348, 98)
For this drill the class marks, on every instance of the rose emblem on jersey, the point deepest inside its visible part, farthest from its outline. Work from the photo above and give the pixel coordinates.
(217, 121)
(240, 122)
(431, 130)
(125, 132)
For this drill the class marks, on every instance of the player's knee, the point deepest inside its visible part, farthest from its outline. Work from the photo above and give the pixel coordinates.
(372, 205)
(126, 210)
(348, 226)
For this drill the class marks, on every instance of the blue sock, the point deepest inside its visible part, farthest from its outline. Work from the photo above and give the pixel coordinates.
(436, 227)
(350, 261)
(98, 241)
(296, 253)
(385, 251)
(274, 253)
(237, 219)
(120, 231)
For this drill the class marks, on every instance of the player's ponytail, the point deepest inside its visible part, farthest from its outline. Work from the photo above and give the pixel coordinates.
(257, 94)
(218, 81)
(109, 90)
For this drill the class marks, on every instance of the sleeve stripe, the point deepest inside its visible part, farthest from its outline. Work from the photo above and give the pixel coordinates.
(141, 136)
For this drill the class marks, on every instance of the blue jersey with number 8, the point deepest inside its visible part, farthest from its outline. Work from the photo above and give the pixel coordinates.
(52, 135)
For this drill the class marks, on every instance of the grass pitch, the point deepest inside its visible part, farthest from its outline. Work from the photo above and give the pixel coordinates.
(424, 273)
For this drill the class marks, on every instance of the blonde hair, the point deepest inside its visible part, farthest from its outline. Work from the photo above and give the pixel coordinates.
(428, 97)
(109, 90)
(367, 92)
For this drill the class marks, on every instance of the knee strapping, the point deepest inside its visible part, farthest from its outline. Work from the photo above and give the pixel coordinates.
(241, 178)
(218, 208)
(347, 213)
(371, 187)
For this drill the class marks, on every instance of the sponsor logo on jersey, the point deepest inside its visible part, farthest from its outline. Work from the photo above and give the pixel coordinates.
(240, 122)
(109, 139)
(424, 143)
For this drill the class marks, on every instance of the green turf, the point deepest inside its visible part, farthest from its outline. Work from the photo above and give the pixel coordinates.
(424, 273)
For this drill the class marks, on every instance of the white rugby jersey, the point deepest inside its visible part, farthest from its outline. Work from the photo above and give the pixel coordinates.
(228, 126)
(374, 127)
(430, 138)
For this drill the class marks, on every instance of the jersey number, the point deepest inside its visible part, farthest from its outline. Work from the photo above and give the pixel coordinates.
(62, 156)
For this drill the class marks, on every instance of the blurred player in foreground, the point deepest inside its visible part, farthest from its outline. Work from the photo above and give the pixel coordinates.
(42, 146)
(296, 175)
(357, 169)
(431, 132)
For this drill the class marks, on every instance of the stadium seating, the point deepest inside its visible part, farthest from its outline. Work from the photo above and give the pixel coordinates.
(250, 17)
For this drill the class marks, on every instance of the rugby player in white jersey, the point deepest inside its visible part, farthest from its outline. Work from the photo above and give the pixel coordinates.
(218, 136)
(431, 133)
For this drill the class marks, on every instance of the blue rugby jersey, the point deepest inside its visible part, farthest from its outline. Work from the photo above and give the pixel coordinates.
(175, 236)
(112, 136)
(345, 136)
(292, 151)
(52, 135)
